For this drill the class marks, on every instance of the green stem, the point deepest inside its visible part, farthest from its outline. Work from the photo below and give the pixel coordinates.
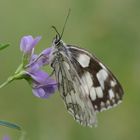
(19, 69)
(9, 80)
(19, 75)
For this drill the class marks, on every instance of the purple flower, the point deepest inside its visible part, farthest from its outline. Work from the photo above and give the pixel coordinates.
(42, 84)
(6, 137)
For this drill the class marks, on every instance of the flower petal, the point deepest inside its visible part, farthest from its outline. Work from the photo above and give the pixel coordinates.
(43, 58)
(37, 61)
(25, 42)
(40, 77)
(47, 51)
(35, 41)
(44, 91)
(28, 43)
(34, 65)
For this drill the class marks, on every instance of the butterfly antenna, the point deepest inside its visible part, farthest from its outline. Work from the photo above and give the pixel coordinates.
(65, 24)
(56, 31)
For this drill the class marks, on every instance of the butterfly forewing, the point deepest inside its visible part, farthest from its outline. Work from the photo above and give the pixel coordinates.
(103, 88)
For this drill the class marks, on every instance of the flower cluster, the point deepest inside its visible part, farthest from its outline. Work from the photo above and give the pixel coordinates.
(42, 84)
(31, 68)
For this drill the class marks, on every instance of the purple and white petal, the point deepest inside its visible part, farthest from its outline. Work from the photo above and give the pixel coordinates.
(46, 51)
(35, 41)
(28, 43)
(44, 91)
(41, 77)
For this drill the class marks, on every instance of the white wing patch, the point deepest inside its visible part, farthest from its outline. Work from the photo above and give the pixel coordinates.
(113, 83)
(99, 92)
(102, 76)
(111, 94)
(93, 94)
(84, 60)
(86, 78)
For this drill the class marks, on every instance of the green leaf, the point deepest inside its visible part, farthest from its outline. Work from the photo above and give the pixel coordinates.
(3, 46)
(10, 125)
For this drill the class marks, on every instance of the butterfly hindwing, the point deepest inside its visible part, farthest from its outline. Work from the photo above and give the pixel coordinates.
(72, 92)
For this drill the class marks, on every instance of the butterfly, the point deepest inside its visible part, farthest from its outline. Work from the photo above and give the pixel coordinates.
(85, 84)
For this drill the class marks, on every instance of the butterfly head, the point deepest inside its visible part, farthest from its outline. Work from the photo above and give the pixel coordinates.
(57, 39)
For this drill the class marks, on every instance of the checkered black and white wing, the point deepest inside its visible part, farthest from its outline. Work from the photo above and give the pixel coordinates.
(85, 84)
(100, 84)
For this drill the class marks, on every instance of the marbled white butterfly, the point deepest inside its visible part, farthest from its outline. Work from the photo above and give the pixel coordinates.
(85, 84)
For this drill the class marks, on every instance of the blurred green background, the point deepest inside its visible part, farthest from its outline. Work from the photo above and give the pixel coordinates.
(108, 28)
